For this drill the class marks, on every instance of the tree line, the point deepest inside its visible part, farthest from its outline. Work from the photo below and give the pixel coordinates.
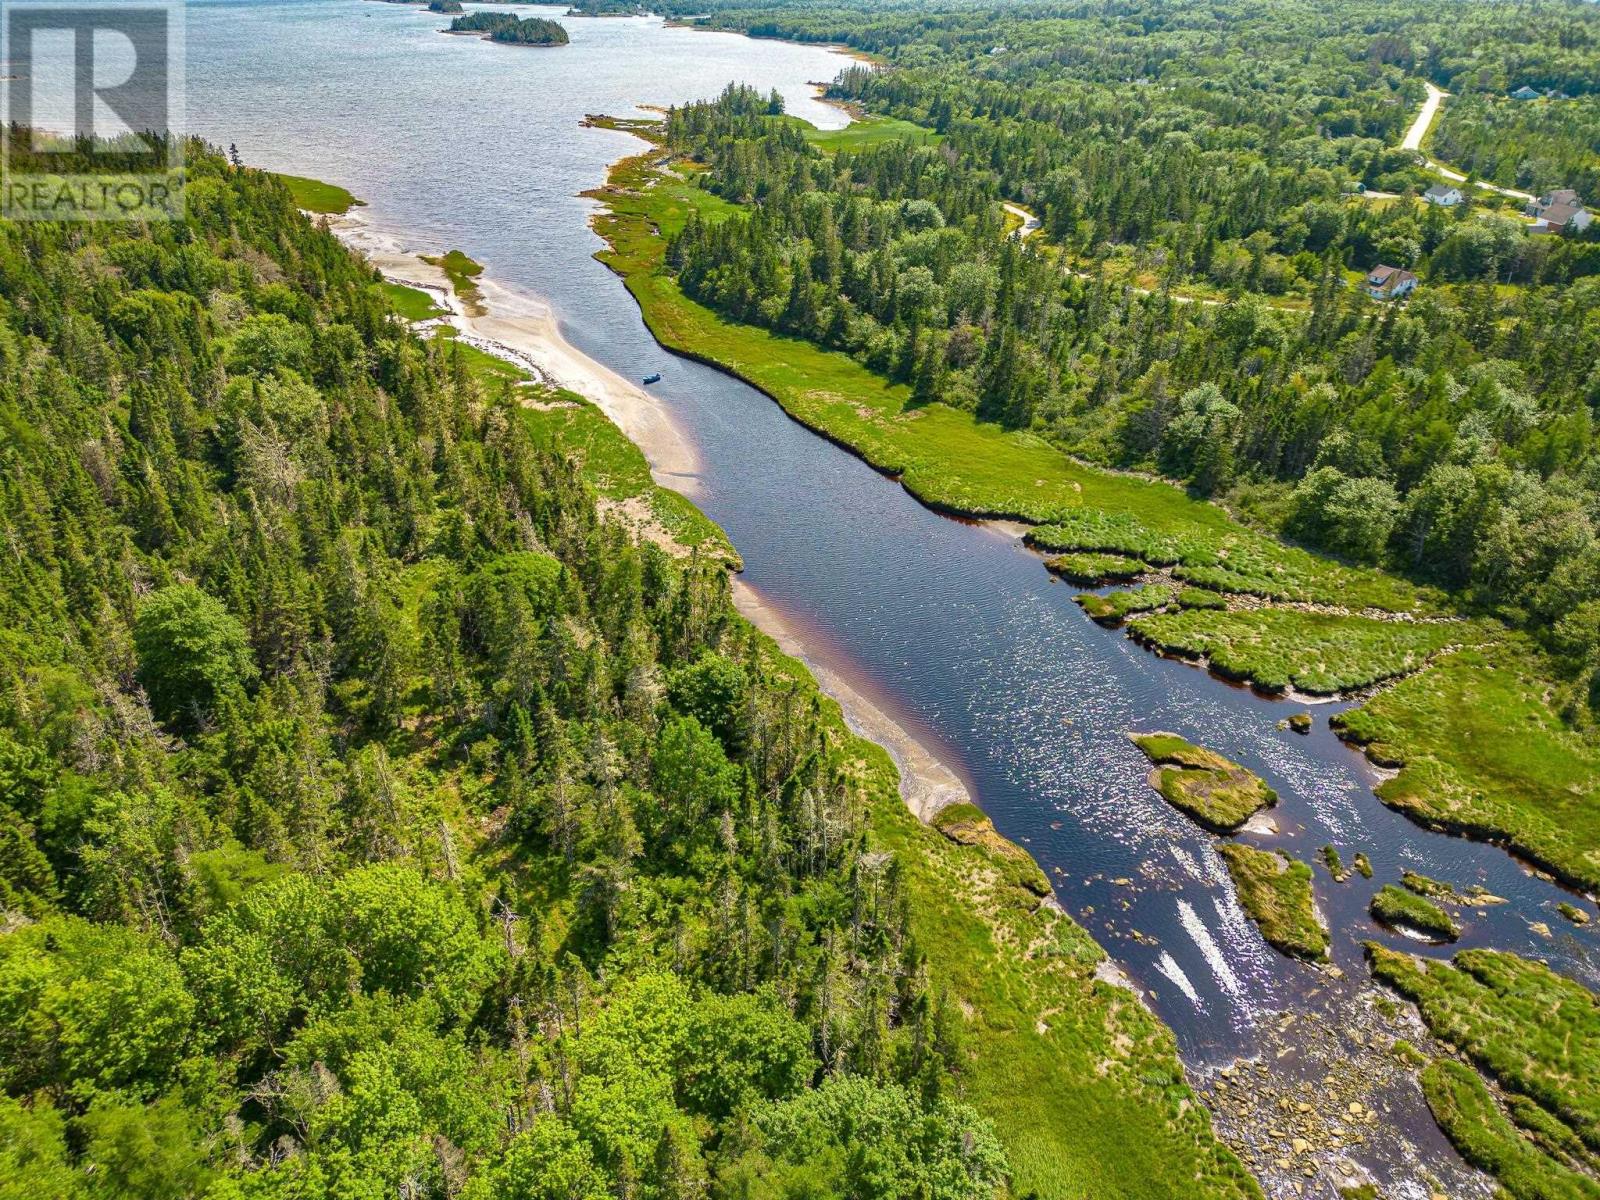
(1451, 437)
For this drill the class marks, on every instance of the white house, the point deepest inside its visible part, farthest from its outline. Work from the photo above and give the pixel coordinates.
(1389, 283)
(1559, 211)
(1443, 195)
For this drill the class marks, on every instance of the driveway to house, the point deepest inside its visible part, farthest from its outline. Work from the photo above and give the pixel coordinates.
(1419, 130)
(1030, 223)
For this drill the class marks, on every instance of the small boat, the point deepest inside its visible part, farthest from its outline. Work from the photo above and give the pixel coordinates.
(656, 378)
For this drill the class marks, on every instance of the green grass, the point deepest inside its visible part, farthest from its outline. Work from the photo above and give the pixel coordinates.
(866, 132)
(1095, 569)
(1482, 1133)
(967, 825)
(1401, 909)
(1114, 607)
(1320, 653)
(1536, 1033)
(1214, 791)
(617, 470)
(314, 196)
(413, 304)
(1483, 753)
(486, 368)
(1193, 597)
(1275, 892)
(1083, 1083)
(462, 272)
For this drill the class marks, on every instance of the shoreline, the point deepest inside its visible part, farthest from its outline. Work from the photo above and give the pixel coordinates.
(927, 784)
(523, 330)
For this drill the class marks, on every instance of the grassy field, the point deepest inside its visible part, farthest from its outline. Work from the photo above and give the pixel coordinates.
(413, 304)
(1275, 892)
(1483, 753)
(868, 131)
(314, 196)
(617, 470)
(1215, 791)
(1321, 653)
(482, 365)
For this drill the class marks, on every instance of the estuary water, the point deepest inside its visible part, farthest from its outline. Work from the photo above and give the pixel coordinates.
(952, 627)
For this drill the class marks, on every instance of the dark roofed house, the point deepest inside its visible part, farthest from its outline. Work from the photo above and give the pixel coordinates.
(1389, 283)
(1559, 211)
(1443, 194)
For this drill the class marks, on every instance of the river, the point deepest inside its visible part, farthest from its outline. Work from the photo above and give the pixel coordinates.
(952, 627)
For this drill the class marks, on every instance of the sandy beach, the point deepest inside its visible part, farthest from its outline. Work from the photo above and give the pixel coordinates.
(523, 330)
(926, 783)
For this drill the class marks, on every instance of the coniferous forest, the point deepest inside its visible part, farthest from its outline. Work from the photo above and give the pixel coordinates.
(348, 761)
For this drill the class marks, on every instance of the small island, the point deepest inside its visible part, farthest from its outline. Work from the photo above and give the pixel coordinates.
(607, 8)
(444, 6)
(1216, 792)
(1275, 892)
(1401, 909)
(509, 29)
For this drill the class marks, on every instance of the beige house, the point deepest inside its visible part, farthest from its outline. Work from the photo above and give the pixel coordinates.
(1389, 283)
(1559, 211)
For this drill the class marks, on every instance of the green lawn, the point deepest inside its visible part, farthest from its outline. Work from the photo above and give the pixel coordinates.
(314, 196)
(869, 131)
